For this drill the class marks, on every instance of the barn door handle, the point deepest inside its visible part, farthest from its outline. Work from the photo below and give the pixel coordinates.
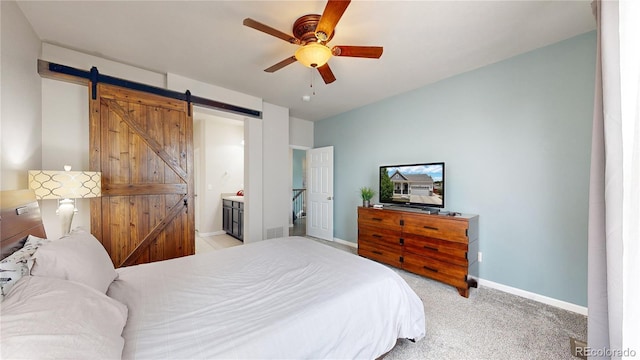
(186, 202)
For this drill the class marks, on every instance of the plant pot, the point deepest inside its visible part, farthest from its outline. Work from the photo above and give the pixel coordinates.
(366, 203)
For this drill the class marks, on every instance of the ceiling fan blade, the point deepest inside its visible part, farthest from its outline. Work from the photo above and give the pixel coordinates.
(326, 73)
(373, 52)
(271, 31)
(330, 17)
(281, 64)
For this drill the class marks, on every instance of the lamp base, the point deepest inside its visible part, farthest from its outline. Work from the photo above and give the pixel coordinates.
(66, 209)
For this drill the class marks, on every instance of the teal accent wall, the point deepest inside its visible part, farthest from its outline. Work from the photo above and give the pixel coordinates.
(516, 140)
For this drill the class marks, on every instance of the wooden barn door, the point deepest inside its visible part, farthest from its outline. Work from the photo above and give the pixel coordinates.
(143, 145)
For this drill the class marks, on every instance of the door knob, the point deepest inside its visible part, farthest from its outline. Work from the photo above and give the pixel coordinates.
(329, 198)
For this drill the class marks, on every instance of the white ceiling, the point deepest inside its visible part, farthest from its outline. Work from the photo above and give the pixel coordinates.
(424, 41)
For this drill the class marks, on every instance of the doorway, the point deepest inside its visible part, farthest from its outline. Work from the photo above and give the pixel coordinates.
(219, 171)
(298, 221)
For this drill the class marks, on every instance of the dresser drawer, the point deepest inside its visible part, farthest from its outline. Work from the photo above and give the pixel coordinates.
(384, 253)
(439, 227)
(378, 218)
(443, 250)
(379, 235)
(455, 275)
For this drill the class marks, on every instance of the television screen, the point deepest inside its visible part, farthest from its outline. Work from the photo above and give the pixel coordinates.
(415, 184)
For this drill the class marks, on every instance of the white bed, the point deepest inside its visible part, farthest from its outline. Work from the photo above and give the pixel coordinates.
(281, 298)
(287, 298)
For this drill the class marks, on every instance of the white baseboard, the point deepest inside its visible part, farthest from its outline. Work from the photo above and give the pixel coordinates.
(535, 297)
(345, 242)
(582, 310)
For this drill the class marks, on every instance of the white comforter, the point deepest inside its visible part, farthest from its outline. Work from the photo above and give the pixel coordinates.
(288, 298)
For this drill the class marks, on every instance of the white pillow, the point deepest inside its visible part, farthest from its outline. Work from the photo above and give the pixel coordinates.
(46, 318)
(14, 266)
(78, 256)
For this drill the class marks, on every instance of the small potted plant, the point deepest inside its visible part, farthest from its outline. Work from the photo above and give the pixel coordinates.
(366, 193)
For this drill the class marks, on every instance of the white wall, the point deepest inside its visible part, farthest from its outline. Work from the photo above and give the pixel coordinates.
(65, 141)
(221, 168)
(198, 88)
(253, 186)
(63, 56)
(276, 167)
(300, 133)
(20, 93)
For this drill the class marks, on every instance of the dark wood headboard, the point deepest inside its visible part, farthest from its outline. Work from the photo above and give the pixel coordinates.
(19, 218)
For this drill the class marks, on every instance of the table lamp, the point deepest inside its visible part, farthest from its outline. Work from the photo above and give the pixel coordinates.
(65, 186)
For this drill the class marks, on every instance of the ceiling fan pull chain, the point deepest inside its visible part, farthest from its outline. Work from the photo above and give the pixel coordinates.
(313, 90)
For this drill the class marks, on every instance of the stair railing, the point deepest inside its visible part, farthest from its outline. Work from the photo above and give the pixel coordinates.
(299, 203)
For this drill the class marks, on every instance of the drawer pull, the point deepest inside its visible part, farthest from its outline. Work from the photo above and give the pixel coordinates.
(430, 269)
(376, 219)
(430, 248)
(430, 227)
(376, 236)
(376, 252)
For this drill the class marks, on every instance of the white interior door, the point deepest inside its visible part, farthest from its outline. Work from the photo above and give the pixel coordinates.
(320, 185)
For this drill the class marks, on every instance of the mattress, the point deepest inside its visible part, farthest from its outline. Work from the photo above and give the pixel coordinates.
(278, 298)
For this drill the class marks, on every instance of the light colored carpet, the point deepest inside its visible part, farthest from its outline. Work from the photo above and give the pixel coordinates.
(490, 324)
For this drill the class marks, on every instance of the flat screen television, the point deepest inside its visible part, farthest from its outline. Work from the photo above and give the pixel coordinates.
(414, 185)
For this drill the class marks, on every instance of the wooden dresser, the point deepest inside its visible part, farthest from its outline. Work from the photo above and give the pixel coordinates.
(441, 247)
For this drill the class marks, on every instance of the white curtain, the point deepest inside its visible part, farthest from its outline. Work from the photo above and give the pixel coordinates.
(614, 204)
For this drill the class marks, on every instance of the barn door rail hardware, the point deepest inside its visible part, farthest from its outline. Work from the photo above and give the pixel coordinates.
(92, 77)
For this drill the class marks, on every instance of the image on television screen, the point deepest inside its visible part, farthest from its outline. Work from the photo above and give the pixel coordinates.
(420, 184)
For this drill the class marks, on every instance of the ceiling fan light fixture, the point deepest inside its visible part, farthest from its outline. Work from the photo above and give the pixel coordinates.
(313, 55)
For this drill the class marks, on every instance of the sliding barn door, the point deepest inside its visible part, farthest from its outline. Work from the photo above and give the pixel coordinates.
(143, 145)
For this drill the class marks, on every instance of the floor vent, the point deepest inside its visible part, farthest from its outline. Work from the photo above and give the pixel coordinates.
(275, 233)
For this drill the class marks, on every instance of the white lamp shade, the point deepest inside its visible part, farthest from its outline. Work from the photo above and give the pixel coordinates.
(313, 55)
(50, 184)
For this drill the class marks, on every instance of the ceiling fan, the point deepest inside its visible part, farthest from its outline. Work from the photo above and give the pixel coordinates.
(312, 33)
